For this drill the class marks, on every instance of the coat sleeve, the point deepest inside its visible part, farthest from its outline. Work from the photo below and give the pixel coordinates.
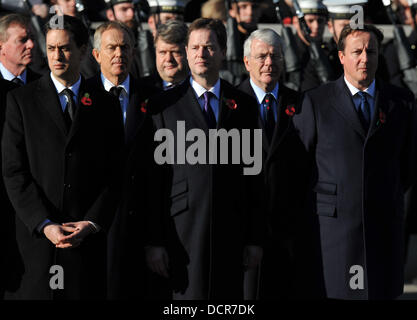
(305, 124)
(409, 158)
(27, 198)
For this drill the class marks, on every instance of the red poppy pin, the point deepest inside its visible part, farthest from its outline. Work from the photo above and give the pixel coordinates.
(86, 100)
(382, 117)
(231, 104)
(143, 106)
(290, 110)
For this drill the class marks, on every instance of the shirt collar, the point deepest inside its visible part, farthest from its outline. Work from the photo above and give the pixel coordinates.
(7, 75)
(199, 90)
(353, 90)
(59, 86)
(108, 84)
(260, 93)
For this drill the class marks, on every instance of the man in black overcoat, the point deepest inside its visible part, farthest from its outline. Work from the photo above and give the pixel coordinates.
(60, 149)
(276, 105)
(114, 41)
(360, 140)
(212, 224)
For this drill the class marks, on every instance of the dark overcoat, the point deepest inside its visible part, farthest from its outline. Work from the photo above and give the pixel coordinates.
(212, 210)
(281, 175)
(354, 216)
(52, 172)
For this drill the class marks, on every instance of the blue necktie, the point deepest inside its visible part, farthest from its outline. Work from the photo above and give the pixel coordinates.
(208, 111)
(364, 110)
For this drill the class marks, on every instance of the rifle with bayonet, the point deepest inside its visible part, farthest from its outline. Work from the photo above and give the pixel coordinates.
(406, 60)
(144, 45)
(292, 62)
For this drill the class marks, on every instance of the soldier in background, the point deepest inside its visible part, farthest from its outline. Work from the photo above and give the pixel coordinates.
(315, 15)
(163, 11)
(391, 55)
(246, 14)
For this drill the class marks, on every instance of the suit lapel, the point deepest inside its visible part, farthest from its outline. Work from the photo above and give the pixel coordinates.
(134, 116)
(341, 100)
(246, 87)
(48, 98)
(383, 106)
(80, 109)
(224, 110)
(193, 111)
(283, 120)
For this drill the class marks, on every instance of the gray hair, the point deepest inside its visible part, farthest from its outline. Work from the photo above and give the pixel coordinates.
(172, 32)
(112, 25)
(268, 36)
(10, 19)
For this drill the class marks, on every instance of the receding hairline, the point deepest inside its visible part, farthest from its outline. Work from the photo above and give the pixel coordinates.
(358, 31)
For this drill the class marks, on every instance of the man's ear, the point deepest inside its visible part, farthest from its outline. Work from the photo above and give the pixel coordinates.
(232, 12)
(110, 15)
(330, 26)
(246, 61)
(96, 55)
(296, 22)
(341, 56)
(151, 21)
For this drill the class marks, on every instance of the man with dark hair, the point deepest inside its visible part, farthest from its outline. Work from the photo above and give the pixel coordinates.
(16, 44)
(212, 226)
(60, 147)
(360, 141)
(171, 60)
(339, 16)
(113, 47)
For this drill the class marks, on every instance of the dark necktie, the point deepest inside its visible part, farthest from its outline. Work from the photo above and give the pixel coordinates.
(69, 112)
(208, 111)
(18, 81)
(269, 119)
(364, 110)
(116, 91)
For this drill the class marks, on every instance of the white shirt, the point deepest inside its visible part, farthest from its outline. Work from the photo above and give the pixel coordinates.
(214, 98)
(7, 75)
(124, 94)
(60, 87)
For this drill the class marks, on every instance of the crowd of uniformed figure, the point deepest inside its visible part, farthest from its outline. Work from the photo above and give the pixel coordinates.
(82, 189)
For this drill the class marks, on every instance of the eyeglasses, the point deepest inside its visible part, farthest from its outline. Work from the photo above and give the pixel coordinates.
(262, 57)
